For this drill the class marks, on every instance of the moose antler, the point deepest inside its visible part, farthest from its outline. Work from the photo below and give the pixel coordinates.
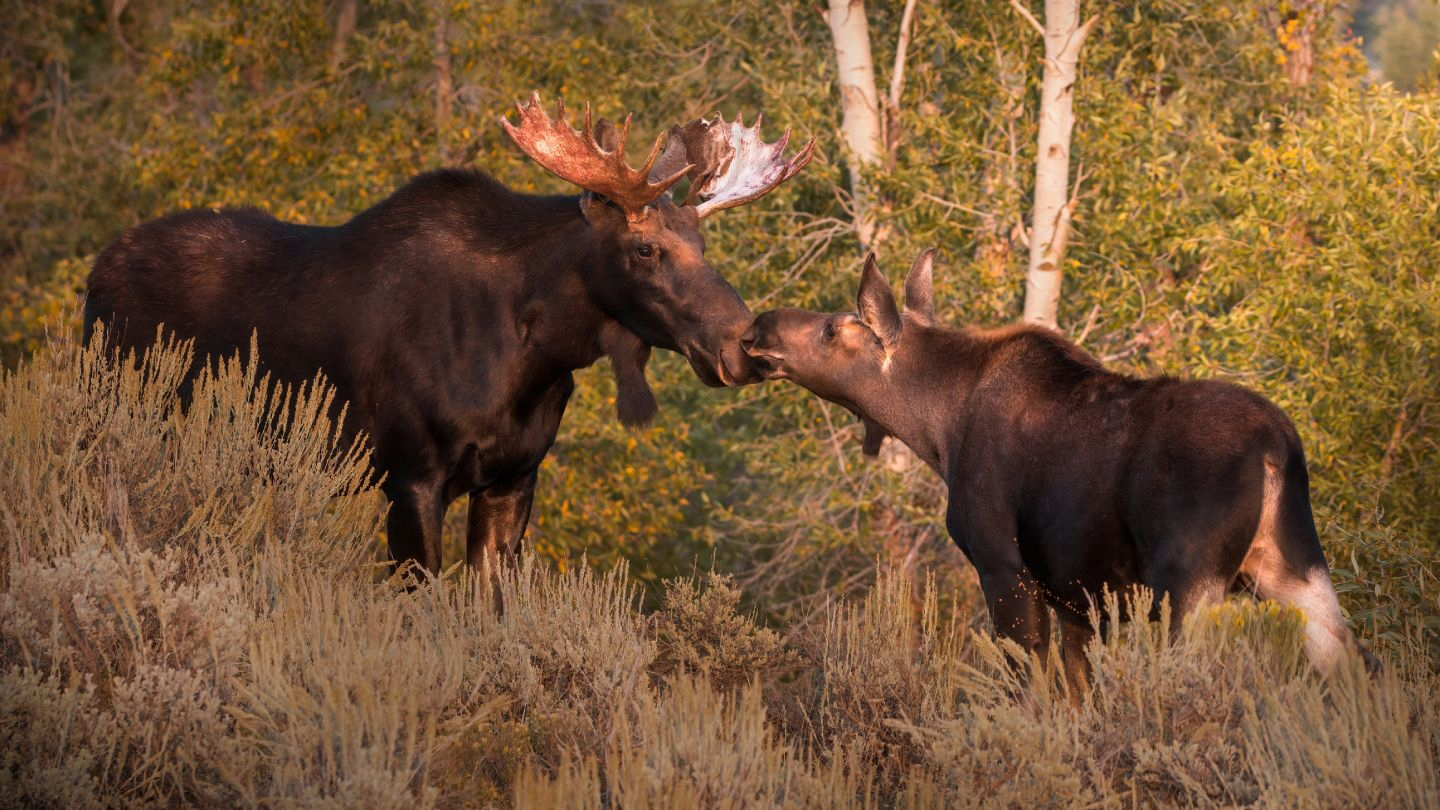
(578, 157)
(731, 164)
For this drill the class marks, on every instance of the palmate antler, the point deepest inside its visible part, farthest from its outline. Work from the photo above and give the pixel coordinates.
(727, 162)
(584, 161)
(731, 164)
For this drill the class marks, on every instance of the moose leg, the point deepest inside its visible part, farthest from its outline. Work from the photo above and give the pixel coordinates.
(1075, 636)
(498, 516)
(1193, 554)
(1189, 587)
(1013, 595)
(1285, 563)
(1017, 609)
(413, 525)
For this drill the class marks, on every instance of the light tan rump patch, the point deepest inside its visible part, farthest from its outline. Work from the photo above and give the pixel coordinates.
(1272, 576)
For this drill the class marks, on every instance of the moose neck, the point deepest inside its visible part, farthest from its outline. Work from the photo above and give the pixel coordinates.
(560, 322)
(925, 388)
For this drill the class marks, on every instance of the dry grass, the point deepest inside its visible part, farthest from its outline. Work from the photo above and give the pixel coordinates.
(189, 615)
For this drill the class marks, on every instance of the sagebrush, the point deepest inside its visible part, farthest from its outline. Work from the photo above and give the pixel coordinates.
(192, 614)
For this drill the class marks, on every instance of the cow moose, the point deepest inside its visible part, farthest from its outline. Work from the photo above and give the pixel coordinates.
(1065, 478)
(450, 316)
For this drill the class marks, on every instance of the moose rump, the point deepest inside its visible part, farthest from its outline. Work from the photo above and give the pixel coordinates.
(1195, 489)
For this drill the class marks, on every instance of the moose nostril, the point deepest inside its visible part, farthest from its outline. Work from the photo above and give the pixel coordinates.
(747, 340)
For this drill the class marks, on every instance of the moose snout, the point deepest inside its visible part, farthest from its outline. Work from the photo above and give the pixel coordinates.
(747, 340)
(758, 340)
(761, 344)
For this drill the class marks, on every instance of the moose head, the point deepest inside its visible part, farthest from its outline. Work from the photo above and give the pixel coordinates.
(846, 357)
(649, 273)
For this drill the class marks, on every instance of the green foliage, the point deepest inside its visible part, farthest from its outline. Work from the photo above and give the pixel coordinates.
(1322, 293)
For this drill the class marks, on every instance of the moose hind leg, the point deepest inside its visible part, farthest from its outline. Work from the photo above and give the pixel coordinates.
(1309, 590)
(1195, 543)
(1188, 590)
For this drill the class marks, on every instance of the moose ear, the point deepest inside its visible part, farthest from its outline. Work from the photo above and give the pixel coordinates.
(876, 305)
(920, 287)
(634, 401)
(598, 209)
(606, 136)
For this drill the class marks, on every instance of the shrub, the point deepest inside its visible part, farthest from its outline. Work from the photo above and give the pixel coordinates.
(135, 538)
(92, 448)
(886, 657)
(1229, 713)
(696, 747)
(189, 616)
(699, 628)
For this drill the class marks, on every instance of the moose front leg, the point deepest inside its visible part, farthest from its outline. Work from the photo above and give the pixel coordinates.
(417, 513)
(1017, 608)
(498, 516)
(1013, 596)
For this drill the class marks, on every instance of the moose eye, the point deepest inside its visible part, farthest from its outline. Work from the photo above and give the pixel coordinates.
(829, 330)
(645, 251)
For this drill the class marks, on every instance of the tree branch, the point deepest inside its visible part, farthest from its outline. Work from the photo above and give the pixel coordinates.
(345, 21)
(897, 76)
(1025, 12)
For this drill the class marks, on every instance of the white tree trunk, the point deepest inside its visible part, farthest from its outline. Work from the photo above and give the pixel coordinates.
(860, 103)
(1050, 221)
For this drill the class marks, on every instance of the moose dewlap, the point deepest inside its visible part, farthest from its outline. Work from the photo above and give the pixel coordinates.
(1067, 479)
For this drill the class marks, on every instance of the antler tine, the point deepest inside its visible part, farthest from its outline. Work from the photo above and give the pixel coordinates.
(581, 159)
(784, 139)
(589, 129)
(623, 137)
(655, 155)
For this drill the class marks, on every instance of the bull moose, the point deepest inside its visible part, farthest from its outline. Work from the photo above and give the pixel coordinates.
(1066, 478)
(450, 316)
